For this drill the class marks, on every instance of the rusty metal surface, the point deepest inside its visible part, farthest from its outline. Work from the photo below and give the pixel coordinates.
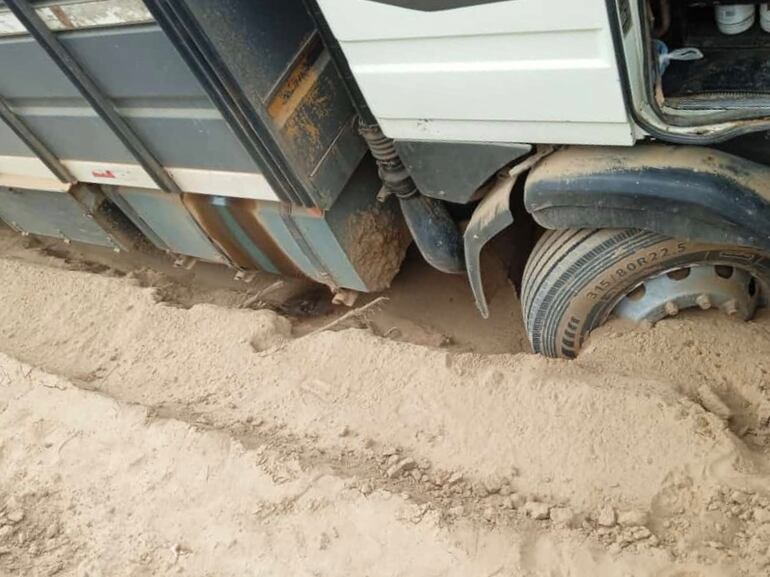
(78, 15)
(300, 106)
(356, 245)
(234, 226)
(246, 213)
(314, 117)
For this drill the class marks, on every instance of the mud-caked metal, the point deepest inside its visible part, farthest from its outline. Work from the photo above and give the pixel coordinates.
(222, 131)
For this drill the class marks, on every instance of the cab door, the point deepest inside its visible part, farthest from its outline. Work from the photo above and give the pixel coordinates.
(485, 70)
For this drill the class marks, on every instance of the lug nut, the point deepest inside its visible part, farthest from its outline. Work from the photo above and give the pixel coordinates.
(730, 307)
(672, 309)
(703, 302)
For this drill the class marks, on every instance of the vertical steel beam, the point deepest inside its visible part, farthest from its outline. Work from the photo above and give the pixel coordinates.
(104, 107)
(183, 31)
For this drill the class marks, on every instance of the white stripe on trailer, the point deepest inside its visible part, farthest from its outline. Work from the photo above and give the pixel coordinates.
(212, 182)
(30, 173)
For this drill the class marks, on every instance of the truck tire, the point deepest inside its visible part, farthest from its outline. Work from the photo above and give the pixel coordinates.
(574, 278)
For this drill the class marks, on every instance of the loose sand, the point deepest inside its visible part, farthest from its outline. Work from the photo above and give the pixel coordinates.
(144, 435)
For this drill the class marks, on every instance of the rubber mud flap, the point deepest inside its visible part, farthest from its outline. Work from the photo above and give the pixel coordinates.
(491, 217)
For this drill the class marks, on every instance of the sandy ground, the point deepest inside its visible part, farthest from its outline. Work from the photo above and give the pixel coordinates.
(147, 428)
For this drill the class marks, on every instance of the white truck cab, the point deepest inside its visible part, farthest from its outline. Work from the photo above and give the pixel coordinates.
(606, 72)
(512, 70)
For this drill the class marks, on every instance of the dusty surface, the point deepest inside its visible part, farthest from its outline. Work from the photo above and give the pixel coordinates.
(151, 429)
(377, 242)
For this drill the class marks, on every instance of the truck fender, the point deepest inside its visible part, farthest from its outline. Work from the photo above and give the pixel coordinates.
(685, 192)
(492, 216)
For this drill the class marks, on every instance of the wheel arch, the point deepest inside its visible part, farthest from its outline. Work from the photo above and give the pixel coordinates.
(685, 192)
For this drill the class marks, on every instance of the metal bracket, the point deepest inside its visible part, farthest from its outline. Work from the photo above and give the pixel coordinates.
(27, 15)
(185, 262)
(493, 215)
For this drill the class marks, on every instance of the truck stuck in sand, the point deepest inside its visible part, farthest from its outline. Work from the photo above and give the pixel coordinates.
(624, 142)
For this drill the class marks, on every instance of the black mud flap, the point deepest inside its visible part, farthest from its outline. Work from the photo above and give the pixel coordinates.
(492, 216)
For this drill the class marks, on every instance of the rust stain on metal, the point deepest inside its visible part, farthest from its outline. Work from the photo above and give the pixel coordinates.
(62, 17)
(303, 121)
(80, 15)
(205, 214)
(296, 85)
(245, 212)
(303, 108)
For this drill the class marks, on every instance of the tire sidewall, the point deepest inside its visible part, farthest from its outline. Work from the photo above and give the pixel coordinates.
(588, 299)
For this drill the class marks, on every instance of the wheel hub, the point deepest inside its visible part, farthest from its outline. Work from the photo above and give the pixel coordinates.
(732, 290)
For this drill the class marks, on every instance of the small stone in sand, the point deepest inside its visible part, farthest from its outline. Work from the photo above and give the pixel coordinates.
(538, 511)
(15, 516)
(606, 517)
(632, 518)
(563, 516)
(401, 467)
(454, 478)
